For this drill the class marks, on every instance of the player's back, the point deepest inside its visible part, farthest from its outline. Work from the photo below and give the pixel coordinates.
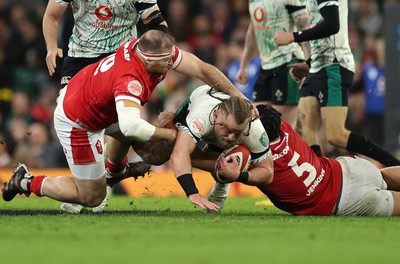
(303, 183)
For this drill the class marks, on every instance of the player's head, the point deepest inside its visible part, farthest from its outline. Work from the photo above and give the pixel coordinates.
(156, 49)
(232, 118)
(271, 120)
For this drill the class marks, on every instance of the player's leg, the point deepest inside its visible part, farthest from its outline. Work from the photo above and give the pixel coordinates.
(391, 175)
(309, 119)
(334, 112)
(364, 191)
(333, 120)
(84, 151)
(87, 187)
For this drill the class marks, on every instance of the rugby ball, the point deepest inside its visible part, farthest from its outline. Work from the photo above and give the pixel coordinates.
(239, 152)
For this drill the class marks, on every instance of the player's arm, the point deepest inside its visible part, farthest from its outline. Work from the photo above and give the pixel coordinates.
(301, 20)
(250, 47)
(151, 16)
(135, 128)
(329, 26)
(51, 17)
(182, 167)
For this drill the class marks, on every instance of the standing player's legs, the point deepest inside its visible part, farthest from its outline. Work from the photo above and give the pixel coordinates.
(334, 82)
(309, 115)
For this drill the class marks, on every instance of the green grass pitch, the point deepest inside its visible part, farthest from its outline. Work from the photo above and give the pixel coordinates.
(172, 230)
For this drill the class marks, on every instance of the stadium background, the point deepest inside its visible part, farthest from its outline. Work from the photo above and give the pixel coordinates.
(214, 30)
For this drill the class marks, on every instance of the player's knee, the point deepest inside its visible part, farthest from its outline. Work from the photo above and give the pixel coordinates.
(336, 138)
(93, 199)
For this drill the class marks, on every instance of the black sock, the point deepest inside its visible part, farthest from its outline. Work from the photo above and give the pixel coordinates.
(363, 145)
(317, 150)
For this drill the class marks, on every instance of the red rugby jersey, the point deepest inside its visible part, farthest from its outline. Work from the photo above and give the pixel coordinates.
(303, 183)
(92, 92)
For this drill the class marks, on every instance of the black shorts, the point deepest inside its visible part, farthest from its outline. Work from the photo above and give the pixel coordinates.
(330, 85)
(72, 66)
(277, 86)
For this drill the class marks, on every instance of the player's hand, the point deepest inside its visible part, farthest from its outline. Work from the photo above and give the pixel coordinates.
(198, 200)
(228, 169)
(51, 57)
(298, 71)
(283, 38)
(242, 77)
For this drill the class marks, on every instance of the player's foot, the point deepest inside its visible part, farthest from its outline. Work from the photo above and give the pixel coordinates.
(13, 187)
(135, 170)
(219, 194)
(71, 208)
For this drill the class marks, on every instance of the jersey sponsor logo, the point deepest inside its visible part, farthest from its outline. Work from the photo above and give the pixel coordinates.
(135, 88)
(197, 125)
(264, 139)
(99, 147)
(259, 14)
(103, 25)
(103, 13)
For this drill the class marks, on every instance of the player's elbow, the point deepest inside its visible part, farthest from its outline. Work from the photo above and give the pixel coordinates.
(335, 27)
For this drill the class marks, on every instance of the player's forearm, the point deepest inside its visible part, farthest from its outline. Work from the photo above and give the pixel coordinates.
(250, 47)
(261, 174)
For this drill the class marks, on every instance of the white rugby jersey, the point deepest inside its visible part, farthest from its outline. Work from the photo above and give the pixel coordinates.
(195, 118)
(269, 17)
(101, 26)
(324, 51)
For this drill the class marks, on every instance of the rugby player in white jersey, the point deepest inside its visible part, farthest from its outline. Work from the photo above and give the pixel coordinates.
(274, 84)
(324, 94)
(209, 122)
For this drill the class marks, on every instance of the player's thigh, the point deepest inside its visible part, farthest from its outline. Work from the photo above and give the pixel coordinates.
(364, 192)
(90, 180)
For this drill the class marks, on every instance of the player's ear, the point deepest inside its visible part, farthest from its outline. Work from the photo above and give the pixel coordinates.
(216, 114)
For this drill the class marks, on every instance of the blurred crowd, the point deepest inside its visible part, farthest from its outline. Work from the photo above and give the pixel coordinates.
(214, 30)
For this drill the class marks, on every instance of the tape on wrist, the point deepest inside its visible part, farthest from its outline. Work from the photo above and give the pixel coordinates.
(243, 177)
(187, 183)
